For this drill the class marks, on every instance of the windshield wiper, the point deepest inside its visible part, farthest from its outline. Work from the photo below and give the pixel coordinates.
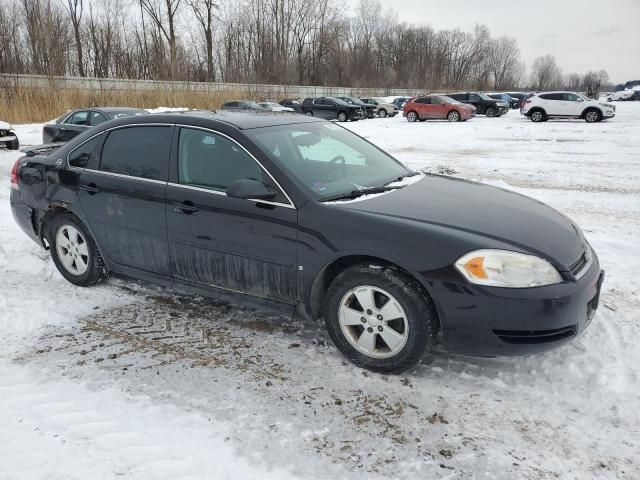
(401, 177)
(360, 192)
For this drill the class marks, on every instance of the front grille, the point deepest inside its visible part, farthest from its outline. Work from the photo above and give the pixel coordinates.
(532, 337)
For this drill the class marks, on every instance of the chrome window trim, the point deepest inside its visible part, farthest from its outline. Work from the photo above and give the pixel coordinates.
(223, 194)
(123, 175)
(216, 132)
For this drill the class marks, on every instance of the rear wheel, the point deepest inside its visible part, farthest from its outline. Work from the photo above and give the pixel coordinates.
(74, 251)
(537, 116)
(382, 113)
(453, 116)
(309, 114)
(412, 116)
(342, 116)
(592, 116)
(379, 318)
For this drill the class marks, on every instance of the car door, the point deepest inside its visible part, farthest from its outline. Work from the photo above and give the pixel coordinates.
(437, 108)
(422, 107)
(123, 197)
(474, 100)
(218, 241)
(96, 118)
(573, 104)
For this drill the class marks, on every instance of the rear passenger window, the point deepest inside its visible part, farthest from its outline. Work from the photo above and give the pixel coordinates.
(86, 155)
(138, 152)
(79, 118)
(422, 100)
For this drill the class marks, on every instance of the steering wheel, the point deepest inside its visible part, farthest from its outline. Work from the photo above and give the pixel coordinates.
(334, 163)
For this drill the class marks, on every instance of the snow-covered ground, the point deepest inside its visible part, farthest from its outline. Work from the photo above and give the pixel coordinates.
(127, 381)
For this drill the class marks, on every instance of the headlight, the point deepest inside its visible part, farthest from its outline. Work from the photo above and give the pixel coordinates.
(502, 268)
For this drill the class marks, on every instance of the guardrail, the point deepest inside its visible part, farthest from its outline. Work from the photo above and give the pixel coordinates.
(250, 89)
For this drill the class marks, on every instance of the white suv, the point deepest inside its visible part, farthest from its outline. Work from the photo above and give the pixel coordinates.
(543, 106)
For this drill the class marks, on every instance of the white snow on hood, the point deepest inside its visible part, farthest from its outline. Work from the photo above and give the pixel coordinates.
(4, 125)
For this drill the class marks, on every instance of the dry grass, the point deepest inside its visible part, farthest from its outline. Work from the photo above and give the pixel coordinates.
(31, 104)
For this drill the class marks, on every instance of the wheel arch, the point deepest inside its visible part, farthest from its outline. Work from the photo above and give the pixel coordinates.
(326, 275)
(536, 109)
(591, 108)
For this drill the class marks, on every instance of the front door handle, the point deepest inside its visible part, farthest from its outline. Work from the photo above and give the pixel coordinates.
(187, 207)
(90, 188)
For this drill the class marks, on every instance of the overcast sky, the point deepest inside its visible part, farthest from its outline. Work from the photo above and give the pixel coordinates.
(582, 34)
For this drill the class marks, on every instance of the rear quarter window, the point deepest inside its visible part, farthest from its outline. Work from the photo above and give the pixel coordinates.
(138, 152)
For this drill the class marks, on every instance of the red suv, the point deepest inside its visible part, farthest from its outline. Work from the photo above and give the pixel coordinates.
(437, 107)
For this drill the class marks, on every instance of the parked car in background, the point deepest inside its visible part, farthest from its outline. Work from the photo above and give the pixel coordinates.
(277, 224)
(383, 109)
(296, 105)
(370, 110)
(8, 137)
(543, 106)
(75, 122)
(331, 108)
(400, 101)
(513, 102)
(437, 107)
(520, 96)
(243, 106)
(484, 104)
(275, 107)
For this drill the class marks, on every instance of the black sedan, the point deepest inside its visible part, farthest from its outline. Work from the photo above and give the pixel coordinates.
(243, 106)
(370, 110)
(300, 214)
(77, 121)
(332, 108)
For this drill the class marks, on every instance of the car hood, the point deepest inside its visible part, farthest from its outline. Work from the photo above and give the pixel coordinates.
(4, 125)
(525, 223)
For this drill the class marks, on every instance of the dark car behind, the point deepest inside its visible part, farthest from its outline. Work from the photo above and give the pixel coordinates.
(331, 108)
(484, 105)
(243, 106)
(370, 110)
(290, 103)
(77, 121)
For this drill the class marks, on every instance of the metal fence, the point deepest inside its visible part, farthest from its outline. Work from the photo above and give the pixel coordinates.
(258, 91)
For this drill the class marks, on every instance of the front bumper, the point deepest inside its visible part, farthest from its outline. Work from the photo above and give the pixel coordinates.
(485, 321)
(5, 140)
(503, 110)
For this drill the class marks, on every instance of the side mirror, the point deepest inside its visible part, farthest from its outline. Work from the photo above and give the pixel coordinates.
(249, 189)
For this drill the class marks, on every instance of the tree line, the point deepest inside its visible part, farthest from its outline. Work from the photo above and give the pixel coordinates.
(304, 42)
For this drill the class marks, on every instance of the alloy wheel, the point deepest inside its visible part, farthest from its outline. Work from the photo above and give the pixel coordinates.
(412, 116)
(592, 116)
(454, 116)
(373, 322)
(72, 250)
(342, 117)
(536, 116)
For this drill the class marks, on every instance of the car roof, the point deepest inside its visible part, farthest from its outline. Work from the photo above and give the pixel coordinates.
(204, 118)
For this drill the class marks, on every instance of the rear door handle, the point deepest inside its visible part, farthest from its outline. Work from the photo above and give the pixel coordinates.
(91, 188)
(187, 207)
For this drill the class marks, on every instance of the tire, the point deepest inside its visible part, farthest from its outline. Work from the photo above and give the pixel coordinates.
(410, 330)
(382, 113)
(537, 116)
(342, 116)
(66, 233)
(453, 116)
(491, 112)
(14, 145)
(592, 116)
(412, 116)
(309, 114)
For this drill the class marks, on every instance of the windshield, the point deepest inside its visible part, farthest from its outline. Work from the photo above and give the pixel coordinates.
(327, 159)
(485, 97)
(252, 104)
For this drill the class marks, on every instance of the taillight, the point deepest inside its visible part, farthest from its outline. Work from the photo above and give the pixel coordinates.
(14, 176)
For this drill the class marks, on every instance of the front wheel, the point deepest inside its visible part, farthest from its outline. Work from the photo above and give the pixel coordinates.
(453, 116)
(74, 251)
(537, 116)
(342, 116)
(309, 114)
(412, 116)
(379, 318)
(592, 116)
(491, 112)
(382, 113)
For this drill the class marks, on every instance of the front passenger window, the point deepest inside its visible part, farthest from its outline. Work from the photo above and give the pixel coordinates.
(80, 118)
(208, 160)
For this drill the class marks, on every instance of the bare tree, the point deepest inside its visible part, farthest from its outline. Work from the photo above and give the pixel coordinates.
(163, 14)
(75, 9)
(545, 73)
(203, 10)
(504, 62)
